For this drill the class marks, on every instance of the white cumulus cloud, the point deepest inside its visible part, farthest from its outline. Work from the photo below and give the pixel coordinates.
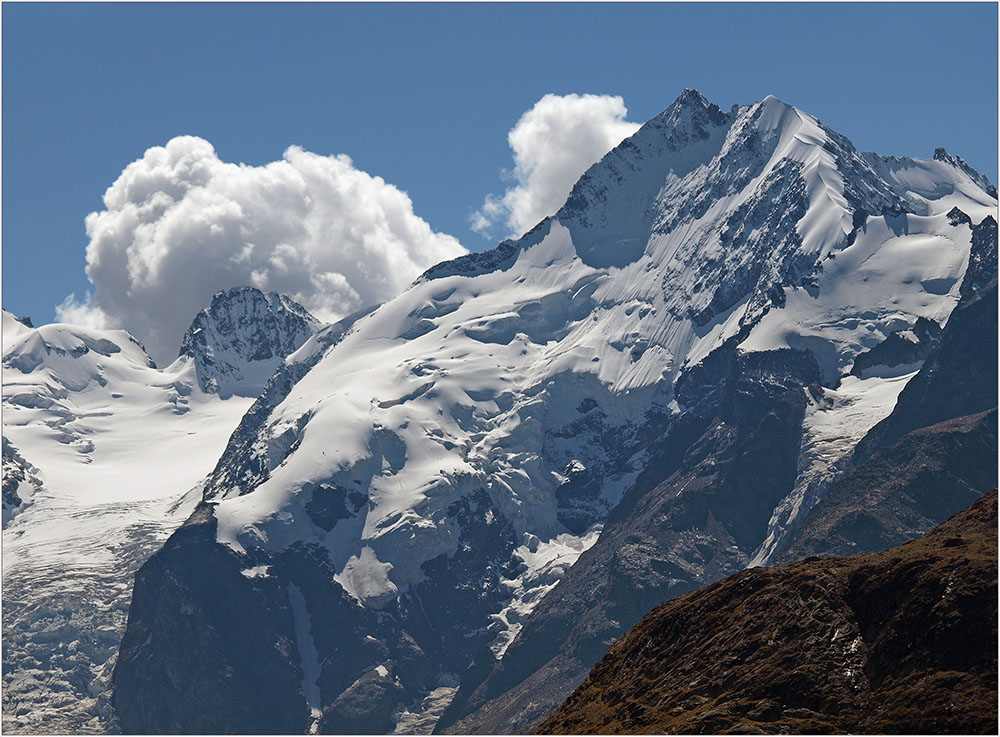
(553, 144)
(180, 224)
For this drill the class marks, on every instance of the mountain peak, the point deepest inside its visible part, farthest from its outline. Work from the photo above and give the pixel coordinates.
(691, 105)
(940, 154)
(242, 338)
(692, 96)
(704, 289)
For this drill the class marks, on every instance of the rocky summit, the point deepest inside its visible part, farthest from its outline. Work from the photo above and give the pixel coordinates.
(240, 340)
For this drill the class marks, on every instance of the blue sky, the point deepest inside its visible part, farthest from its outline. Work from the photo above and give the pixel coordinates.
(424, 95)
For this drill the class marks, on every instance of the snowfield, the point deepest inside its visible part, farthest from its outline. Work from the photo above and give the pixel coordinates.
(116, 445)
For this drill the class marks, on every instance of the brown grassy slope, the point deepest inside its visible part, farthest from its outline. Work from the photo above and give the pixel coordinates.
(902, 641)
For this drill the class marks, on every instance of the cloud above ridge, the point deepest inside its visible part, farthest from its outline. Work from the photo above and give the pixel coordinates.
(180, 224)
(553, 144)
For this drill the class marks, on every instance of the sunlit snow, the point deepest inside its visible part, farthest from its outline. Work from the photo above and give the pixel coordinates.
(120, 448)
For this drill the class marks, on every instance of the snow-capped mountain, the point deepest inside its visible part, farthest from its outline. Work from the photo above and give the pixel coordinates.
(239, 341)
(100, 448)
(403, 502)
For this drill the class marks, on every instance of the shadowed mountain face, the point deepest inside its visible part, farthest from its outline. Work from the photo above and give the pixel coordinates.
(932, 456)
(902, 641)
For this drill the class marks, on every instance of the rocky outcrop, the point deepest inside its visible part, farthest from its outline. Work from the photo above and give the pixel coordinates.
(20, 482)
(902, 641)
(239, 341)
(900, 348)
(239, 669)
(958, 379)
(982, 257)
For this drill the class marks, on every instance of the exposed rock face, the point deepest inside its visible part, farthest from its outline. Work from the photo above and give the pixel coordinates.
(902, 641)
(20, 482)
(228, 676)
(982, 258)
(900, 347)
(239, 341)
(701, 523)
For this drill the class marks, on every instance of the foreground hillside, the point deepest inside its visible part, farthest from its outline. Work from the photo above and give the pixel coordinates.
(902, 641)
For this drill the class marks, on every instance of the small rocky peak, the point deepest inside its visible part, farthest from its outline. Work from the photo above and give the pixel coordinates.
(940, 154)
(958, 217)
(691, 111)
(900, 348)
(691, 96)
(242, 338)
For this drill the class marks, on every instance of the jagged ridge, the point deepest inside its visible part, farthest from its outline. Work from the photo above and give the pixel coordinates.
(240, 340)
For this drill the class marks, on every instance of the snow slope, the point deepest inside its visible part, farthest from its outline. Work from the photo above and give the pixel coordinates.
(541, 371)
(108, 454)
(836, 419)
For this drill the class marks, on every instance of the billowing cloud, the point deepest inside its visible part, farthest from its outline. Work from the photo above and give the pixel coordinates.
(179, 225)
(553, 144)
(83, 313)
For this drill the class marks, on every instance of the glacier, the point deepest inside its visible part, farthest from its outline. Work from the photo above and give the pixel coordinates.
(106, 455)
